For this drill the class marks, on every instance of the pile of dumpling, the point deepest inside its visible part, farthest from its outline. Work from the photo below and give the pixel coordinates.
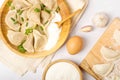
(27, 21)
(111, 69)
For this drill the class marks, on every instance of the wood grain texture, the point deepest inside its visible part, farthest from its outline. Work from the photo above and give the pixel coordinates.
(68, 17)
(64, 10)
(94, 56)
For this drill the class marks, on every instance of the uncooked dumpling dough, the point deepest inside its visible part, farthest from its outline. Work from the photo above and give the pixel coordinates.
(33, 14)
(16, 38)
(26, 2)
(109, 54)
(49, 3)
(11, 20)
(23, 17)
(34, 1)
(103, 69)
(31, 2)
(18, 4)
(28, 45)
(27, 25)
(39, 40)
(45, 16)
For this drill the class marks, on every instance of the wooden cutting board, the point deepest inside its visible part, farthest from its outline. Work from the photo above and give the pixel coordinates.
(94, 56)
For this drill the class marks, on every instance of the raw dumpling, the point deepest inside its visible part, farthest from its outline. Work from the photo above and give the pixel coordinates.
(33, 14)
(23, 17)
(41, 29)
(26, 2)
(31, 2)
(45, 17)
(26, 25)
(49, 3)
(39, 40)
(11, 20)
(103, 69)
(109, 54)
(116, 36)
(18, 4)
(34, 1)
(16, 38)
(28, 45)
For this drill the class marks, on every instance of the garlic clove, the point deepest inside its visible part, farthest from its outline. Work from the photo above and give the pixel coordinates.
(87, 28)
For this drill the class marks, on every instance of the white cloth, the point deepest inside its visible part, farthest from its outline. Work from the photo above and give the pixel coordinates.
(21, 65)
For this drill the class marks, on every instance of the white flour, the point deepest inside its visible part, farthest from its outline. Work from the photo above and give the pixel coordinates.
(62, 71)
(53, 32)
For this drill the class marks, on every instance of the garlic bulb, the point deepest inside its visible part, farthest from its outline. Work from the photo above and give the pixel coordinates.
(100, 19)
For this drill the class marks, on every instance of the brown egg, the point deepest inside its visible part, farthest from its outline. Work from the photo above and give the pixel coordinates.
(74, 45)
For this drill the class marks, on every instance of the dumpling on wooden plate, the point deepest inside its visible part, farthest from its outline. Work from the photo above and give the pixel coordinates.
(116, 36)
(109, 54)
(31, 2)
(33, 14)
(23, 17)
(28, 44)
(41, 29)
(45, 17)
(12, 21)
(34, 2)
(18, 4)
(26, 25)
(26, 2)
(49, 3)
(16, 38)
(39, 40)
(103, 69)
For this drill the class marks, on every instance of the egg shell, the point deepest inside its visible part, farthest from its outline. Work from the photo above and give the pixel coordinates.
(74, 45)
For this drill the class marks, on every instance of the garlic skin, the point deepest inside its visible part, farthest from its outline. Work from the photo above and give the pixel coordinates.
(100, 19)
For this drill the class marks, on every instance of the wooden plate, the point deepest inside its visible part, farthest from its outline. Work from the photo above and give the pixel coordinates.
(94, 56)
(64, 10)
(63, 35)
(58, 61)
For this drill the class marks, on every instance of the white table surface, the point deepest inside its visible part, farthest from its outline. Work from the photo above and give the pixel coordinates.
(109, 6)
